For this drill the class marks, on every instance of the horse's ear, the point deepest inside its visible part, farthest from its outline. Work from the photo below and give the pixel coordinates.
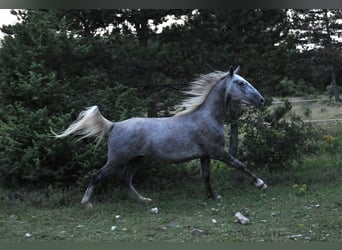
(231, 71)
(237, 70)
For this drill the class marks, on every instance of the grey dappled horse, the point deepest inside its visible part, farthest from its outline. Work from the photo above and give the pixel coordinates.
(196, 131)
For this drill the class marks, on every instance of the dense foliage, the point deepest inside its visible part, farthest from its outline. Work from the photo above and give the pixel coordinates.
(55, 62)
(275, 139)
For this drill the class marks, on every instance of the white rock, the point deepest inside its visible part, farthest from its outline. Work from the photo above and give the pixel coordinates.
(241, 218)
(312, 206)
(154, 210)
(296, 236)
(28, 235)
(113, 228)
(13, 216)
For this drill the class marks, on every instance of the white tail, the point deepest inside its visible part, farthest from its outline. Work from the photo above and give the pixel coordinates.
(90, 123)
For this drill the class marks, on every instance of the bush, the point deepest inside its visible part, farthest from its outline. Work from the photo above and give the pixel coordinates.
(273, 140)
(30, 155)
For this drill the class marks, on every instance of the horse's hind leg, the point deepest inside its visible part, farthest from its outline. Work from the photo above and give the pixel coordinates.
(101, 174)
(205, 165)
(128, 177)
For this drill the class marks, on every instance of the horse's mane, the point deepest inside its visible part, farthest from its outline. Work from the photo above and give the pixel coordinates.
(198, 92)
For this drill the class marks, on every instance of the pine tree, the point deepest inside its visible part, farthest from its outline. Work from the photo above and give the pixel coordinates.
(320, 30)
(48, 74)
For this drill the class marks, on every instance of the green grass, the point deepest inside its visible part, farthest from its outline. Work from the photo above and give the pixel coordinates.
(282, 213)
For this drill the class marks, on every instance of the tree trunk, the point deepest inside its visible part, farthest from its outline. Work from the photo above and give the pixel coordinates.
(334, 85)
(151, 104)
(234, 132)
(233, 139)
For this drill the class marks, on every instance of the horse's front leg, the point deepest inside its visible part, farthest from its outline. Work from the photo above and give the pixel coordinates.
(232, 161)
(205, 165)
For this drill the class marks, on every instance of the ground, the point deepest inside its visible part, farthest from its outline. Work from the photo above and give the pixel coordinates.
(292, 211)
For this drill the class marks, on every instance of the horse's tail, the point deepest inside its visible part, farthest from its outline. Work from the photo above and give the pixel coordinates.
(90, 123)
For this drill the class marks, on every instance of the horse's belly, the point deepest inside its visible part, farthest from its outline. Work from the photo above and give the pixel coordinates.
(174, 149)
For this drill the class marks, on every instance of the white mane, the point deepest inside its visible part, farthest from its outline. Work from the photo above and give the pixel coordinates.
(199, 91)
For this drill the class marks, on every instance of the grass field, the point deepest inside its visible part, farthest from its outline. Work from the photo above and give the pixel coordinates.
(316, 110)
(304, 205)
(294, 211)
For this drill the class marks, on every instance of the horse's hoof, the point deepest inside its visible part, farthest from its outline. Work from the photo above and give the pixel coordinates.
(263, 187)
(215, 197)
(145, 200)
(89, 206)
(260, 184)
(218, 198)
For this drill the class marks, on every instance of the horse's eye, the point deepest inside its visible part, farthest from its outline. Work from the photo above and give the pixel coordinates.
(241, 83)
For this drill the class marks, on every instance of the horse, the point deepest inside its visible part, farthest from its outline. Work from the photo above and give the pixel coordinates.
(195, 131)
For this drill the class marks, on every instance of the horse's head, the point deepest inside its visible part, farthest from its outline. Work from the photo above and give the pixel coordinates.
(239, 89)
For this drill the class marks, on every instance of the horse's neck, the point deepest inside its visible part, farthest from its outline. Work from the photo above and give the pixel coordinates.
(215, 105)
